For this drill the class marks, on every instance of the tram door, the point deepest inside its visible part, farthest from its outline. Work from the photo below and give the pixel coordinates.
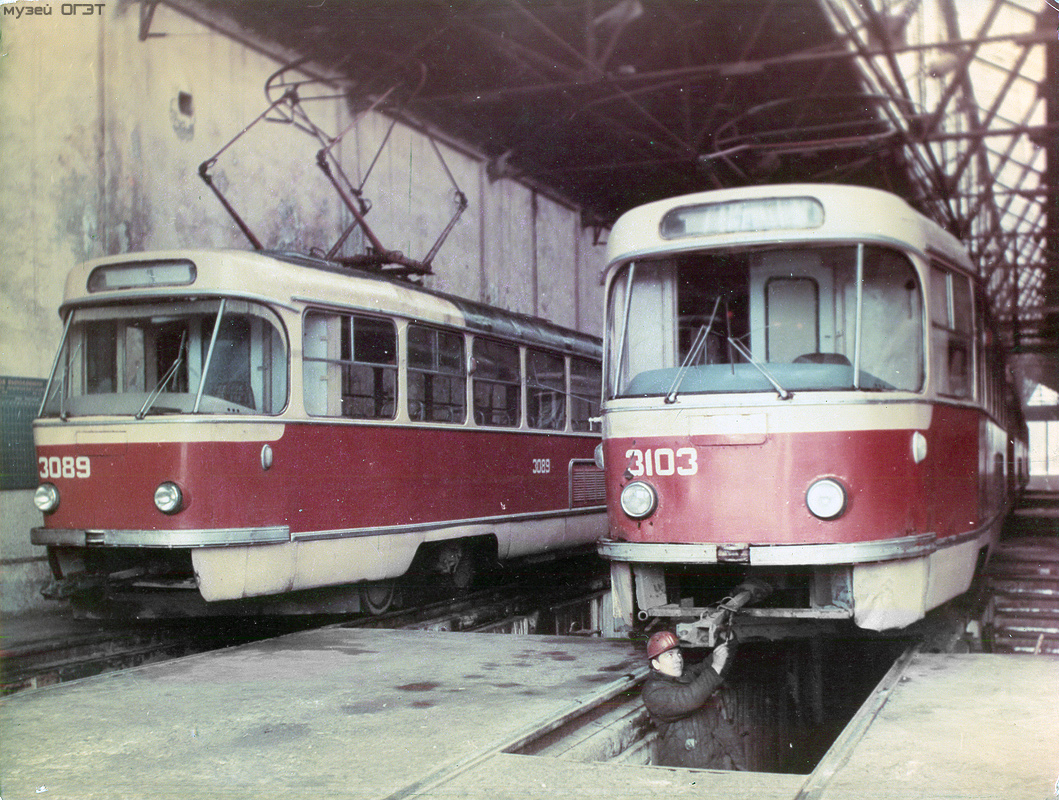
(791, 305)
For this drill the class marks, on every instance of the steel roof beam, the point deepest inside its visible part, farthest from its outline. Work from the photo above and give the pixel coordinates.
(725, 69)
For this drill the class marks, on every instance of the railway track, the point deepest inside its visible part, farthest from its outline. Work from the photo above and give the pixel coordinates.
(107, 648)
(555, 604)
(560, 601)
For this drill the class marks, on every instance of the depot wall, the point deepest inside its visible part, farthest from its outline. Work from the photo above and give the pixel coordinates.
(103, 134)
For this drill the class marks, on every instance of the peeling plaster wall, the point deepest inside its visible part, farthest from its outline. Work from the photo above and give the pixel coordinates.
(101, 136)
(173, 101)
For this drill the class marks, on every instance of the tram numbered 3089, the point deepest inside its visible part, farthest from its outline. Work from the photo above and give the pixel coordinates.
(249, 425)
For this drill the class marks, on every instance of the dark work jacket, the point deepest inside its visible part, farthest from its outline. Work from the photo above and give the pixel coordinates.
(692, 730)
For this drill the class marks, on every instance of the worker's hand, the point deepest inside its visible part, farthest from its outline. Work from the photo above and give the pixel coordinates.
(720, 657)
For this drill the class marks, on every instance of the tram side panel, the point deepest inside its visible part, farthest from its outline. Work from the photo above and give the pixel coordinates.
(371, 495)
(335, 504)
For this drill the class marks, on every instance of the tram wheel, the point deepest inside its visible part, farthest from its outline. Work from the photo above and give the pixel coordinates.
(378, 597)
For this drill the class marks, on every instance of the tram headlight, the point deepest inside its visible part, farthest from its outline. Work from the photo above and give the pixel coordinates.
(168, 498)
(46, 498)
(597, 455)
(826, 498)
(639, 500)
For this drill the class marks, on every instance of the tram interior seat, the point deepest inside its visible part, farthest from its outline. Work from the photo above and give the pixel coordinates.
(546, 411)
(238, 392)
(493, 418)
(435, 412)
(822, 358)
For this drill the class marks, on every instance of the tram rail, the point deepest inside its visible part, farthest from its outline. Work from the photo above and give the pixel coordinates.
(522, 605)
(69, 656)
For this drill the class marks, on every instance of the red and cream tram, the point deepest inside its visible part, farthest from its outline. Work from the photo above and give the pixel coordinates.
(251, 425)
(806, 413)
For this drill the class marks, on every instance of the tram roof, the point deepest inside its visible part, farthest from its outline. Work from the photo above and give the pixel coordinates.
(294, 280)
(846, 213)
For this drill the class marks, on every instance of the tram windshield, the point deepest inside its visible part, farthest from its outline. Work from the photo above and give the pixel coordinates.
(206, 356)
(766, 320)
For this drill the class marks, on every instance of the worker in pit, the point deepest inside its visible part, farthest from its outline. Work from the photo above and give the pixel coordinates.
(693, 724)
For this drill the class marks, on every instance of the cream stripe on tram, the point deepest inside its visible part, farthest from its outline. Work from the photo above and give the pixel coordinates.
(158, 430)
(634, 419)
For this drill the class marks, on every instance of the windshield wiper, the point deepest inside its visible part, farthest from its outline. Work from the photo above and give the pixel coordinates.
(693, 353)
(165, 379)
(783, 393)
(60, 387)
(209, 355)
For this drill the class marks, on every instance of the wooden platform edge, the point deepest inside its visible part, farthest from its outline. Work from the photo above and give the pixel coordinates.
(525, 734)
(842, 748)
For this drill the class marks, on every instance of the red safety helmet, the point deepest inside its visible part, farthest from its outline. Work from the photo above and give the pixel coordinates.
(661, 642)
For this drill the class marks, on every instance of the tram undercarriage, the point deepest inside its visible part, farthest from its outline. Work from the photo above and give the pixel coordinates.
(706, 602)
(163, 582)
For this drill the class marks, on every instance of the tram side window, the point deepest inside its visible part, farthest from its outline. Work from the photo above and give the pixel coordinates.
(985, 372)
(952, 326)
(497, 383)
(545, 391)
(350, 366)
(437, 378)
(585, 388)
(891, 328)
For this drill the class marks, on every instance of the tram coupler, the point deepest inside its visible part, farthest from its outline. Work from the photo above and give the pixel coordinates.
(714, 626)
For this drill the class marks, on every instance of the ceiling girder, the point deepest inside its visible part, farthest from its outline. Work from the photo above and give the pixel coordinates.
(607, 103)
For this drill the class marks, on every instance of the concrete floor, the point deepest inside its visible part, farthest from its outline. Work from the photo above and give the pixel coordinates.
(348, 713)
(957, 726)
(332, 713)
